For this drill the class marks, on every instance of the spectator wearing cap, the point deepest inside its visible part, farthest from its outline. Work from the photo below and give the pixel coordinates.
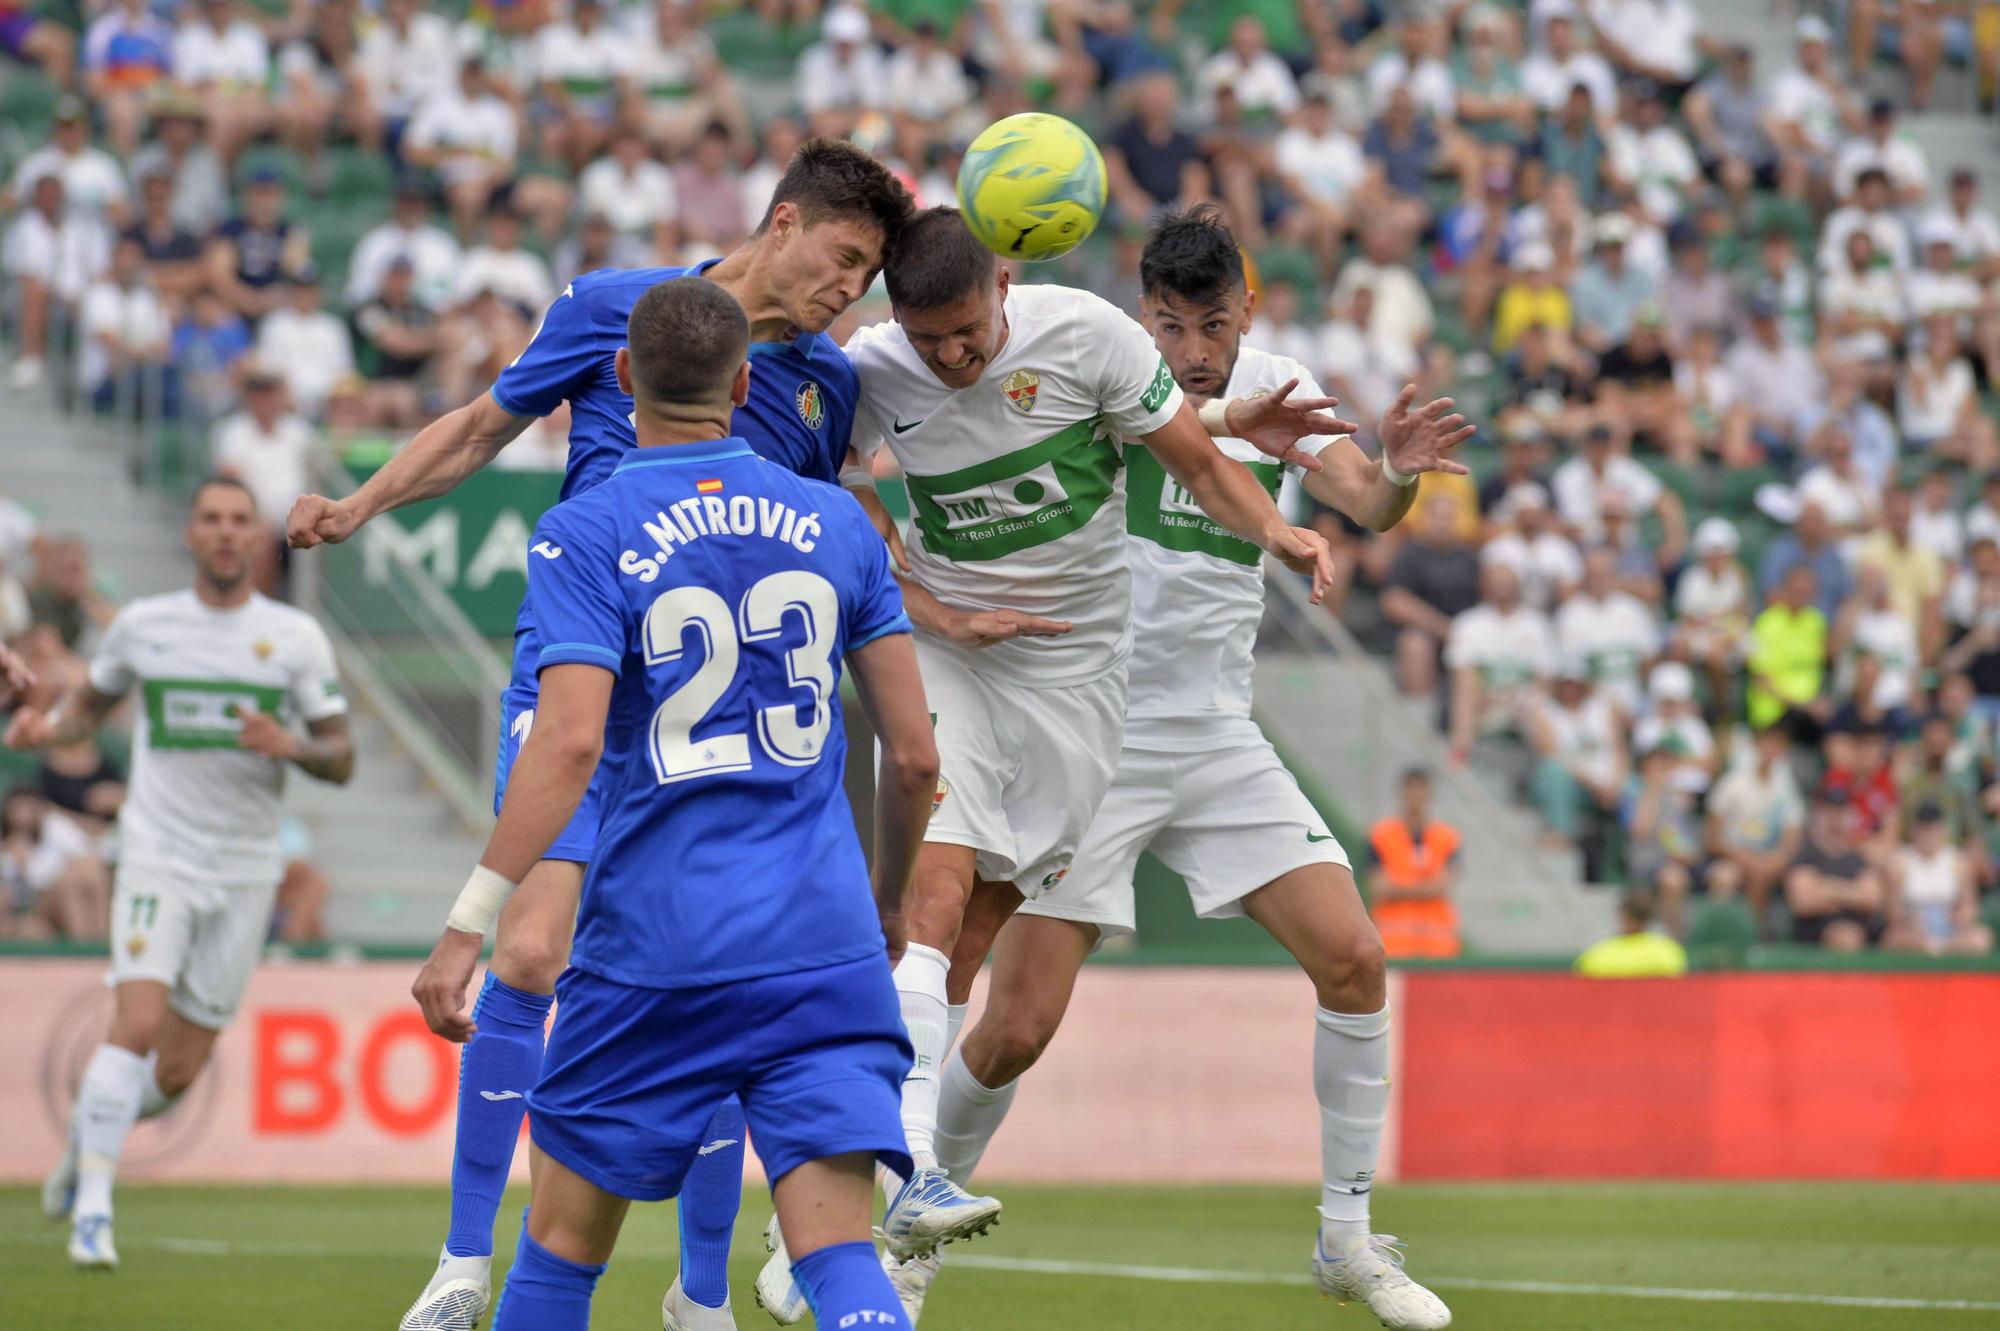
(407, 235)
(1756, 816)
(254, 250)
(580, 64)
(1934, 894)
(1811, 109)
(1938, 408)
(1776, 376)
(268, 447)
(1651, 156)
(1836, 898)
(49, 256)
(1325, 176)
(1871, 210)
(1609, 292)
(1635, 384)
(1707, 393)
(927, 83)
(633, 192)
(1600, 468)
(396, 336)
(180, 151)
(321, 90)
(128, 51)
(1673, 722)
(1612, 633)
(1529, 543)
(1914, 575)
(123, 331)
(712, 206)
(1880, 147)
(93, 185)
(841, 75)
(223, 58)
(1581, 761)
(1533, 299)
(1433, 580)
(500, 265)
(1974, 231)
(406, 58)
(1414, 858)
(1492, 104)
(1712, 605)
(1561, 64)
(1788, 654)
(306, 344)
(1727, 113)
(1572, 147)
(1500, 652)
(470, 139)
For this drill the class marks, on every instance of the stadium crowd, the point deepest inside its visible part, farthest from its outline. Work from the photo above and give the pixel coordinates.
(1723, 603)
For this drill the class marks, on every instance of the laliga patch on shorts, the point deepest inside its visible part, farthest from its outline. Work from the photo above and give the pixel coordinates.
(1050, 880)
(943, 789)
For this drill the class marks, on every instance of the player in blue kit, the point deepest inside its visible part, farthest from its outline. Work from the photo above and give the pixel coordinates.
(702, 600)
(824, 237)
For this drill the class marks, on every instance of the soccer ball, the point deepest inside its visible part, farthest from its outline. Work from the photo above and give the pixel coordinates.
(1031, 186)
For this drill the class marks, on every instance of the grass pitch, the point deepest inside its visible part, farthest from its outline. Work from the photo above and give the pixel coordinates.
(1507, 1258)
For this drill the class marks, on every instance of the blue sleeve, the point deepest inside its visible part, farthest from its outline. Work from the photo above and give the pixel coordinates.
(562, 354)
(872, 604)
(572, 593)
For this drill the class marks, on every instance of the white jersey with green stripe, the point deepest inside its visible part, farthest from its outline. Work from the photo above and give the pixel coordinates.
(1197, 588)
(198, 804)
(1017, 488)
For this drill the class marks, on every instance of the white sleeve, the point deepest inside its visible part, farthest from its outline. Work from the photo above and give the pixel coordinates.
(1134, 386)
(316, 690)
(111, 672)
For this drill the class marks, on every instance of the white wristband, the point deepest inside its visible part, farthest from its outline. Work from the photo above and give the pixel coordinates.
(858, 478)
(1395, 477)
(1214, 416)
(479, 902)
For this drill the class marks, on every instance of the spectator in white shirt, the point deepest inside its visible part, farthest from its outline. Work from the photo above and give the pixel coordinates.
(1545, 560)
(677, 81)
(123, 328)
(1263, 84)
(1974, 231)
(1415, 63)
(1499, 653)
(1881, 146)
(1582, 484)
(1712, 603)
(927, 83)
(50, 258)
(1548, 75)
(93, 184)
(1872, 210)
(631, 190)
(1709, 395)
(266, 446)
(222, 57)
(841, 75)
(469, 137)
(1861, 311)
(408, 235)
(1579, 738)
(580, 66)
(1278, 328)
(1776, 376)
(1402, 316)
(1940, 286)
(306, 343)
(1357, 364)
(501, 266)
(1612, 632)
(407, 58)
(1811, 109)
(1836, 486)
(1934, 522)
(1937, 401)
(1321, 167)
(1652, 156)
(1648, 39)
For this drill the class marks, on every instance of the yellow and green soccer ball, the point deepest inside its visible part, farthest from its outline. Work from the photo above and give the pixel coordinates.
(1031, 186)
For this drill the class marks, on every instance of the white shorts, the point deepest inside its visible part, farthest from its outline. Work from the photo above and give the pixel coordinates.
(201, 940)
(1024, 769)
(1214, 803)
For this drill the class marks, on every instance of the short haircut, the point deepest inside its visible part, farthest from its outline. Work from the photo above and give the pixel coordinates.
(215, 481)
(1191, 255)
(937, 262)
(685, 341)
(1422, 774)
(831, 179)
(1873, 175)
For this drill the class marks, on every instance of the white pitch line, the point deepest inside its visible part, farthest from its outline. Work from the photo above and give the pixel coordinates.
(1124, 1271)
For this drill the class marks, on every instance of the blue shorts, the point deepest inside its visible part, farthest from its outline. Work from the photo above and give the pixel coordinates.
(517, 713)
(632, 1076)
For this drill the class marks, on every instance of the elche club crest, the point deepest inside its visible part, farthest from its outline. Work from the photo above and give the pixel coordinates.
(1020, 388)
(811, 403)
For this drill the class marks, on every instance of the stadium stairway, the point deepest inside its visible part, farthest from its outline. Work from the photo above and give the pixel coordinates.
(390, 843)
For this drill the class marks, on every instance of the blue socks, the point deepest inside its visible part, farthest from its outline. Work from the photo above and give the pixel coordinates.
(495, 1073)
(710, 1197)
(545, 1292)
(846, 1287)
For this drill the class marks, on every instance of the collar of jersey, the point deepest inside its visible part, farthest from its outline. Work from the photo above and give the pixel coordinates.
(673, 455)
(806, 344)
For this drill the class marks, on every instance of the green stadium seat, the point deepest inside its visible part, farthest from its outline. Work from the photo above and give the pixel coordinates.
(1721, 933)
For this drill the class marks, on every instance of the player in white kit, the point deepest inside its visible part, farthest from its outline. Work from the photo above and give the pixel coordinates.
(1200, 786)
(227, 679)
(1003, 405)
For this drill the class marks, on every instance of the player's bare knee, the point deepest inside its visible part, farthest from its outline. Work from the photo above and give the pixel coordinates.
(1352, 973)
(1016, 1044)
(531, 956)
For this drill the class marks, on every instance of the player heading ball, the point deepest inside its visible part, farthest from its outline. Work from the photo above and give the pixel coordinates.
(730, 941)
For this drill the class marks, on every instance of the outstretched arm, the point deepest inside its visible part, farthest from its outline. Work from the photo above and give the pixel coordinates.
(443, 454)
(1414, 440)
(75, 718)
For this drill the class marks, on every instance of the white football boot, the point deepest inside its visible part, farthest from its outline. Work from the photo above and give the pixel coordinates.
(1370, 1270)
(456, 1298)
(90, 1245)
(912, 1280)
(777, 1293)
(678, 1312)
(931, 1210)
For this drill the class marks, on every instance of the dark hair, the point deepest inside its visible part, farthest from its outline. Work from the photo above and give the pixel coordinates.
(685, 341)
(1422, 774)
(212, 481)
(1871, 175)
(831, 178)
(1192, 255)
(936, 262)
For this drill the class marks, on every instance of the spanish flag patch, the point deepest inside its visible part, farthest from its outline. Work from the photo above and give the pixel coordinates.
(708, 487)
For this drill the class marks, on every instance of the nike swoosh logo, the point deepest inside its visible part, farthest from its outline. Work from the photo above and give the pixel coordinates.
(905, 429)
(722, 1145)
(1316, 839)
(499, 1095)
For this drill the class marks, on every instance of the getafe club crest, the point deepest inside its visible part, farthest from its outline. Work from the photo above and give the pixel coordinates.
(811, 404)
(1021, 387)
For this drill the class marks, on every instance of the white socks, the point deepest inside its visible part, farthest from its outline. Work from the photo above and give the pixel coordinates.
(968, 1115)
(152, 1100)
(1351, 1078)
(954, 1022)
(107, 1105)
(920, 986)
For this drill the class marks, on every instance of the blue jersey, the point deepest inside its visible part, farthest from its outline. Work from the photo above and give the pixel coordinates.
(723, 592)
